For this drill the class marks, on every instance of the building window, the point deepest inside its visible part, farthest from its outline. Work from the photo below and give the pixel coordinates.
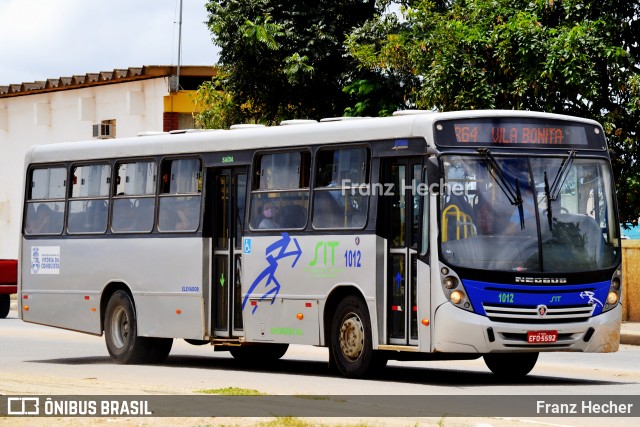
(105, 130)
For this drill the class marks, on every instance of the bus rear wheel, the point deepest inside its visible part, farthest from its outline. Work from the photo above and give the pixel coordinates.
(121, 334)
(5, 305)
(159, 349)
(510, 365)
(351, 349)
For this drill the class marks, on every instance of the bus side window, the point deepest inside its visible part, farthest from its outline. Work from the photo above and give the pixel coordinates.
(280, 195)
(143, 212)
(89, 204)
(338, 199)
(180, 195)
(45, 201)
(134, 199)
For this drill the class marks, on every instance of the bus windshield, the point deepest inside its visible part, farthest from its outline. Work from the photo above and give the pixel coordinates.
(533, 214)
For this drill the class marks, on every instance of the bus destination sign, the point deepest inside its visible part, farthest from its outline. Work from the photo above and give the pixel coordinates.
(518, 132)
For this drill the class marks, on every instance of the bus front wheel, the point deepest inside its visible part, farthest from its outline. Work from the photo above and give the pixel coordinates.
(351, 349)
(510, 365)
(121, 334)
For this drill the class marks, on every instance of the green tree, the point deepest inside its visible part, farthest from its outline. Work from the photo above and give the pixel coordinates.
(388, 82)
(564, 56)
(283, 59)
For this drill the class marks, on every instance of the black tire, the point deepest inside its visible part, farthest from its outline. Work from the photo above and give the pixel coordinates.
(510, 365)
(259, 353)
(351, 347)
(159, 349)
(121, 332)
(5, 305)
(196, 342)
(379, 361)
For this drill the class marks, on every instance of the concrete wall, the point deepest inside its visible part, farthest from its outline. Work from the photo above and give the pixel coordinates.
(631, 280)
(66, 115)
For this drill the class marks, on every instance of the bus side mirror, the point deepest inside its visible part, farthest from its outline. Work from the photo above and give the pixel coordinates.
(433, 172)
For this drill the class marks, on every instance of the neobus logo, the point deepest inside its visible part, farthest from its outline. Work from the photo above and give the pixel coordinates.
(543, 280)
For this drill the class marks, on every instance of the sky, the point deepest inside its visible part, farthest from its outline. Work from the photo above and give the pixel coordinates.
(41, 39)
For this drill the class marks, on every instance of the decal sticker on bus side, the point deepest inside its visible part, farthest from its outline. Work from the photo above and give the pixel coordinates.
(323, 263)
(45, 260)
(275, 252)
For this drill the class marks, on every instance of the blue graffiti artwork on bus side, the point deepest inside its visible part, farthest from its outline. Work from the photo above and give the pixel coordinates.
(267, 278)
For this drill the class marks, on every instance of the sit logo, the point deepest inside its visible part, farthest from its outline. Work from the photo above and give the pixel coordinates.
(323, 249)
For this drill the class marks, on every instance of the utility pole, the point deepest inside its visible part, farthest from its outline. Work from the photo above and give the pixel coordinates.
(179, 48)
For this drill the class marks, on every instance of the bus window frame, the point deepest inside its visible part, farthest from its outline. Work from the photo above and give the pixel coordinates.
(368, 178)
(254, 182)
(28, 200)
(154, 196)
(160, 195)
(70, 198)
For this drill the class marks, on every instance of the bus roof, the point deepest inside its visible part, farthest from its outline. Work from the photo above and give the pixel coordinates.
(252, 138)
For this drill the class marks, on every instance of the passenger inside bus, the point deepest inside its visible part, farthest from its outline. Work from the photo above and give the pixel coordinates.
(96, 216)
(269, 216)
(522, 220)
(184, 219)
(293, 216)
(40, 221)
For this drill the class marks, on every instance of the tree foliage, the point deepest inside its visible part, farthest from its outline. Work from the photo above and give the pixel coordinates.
(291, 59)
(564, 56)
(283, 59)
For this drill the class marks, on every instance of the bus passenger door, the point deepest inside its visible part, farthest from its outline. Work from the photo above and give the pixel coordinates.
(230, 189)
(398, 222)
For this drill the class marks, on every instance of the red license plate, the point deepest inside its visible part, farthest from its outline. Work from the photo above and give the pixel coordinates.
(542, 337)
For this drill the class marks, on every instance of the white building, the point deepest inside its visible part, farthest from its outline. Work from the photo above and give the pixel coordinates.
(96, 105)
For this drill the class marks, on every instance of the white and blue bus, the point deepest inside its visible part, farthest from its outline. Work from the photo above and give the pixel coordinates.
(423, 236)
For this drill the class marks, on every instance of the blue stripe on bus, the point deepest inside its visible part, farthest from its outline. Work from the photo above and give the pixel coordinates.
(518, 295)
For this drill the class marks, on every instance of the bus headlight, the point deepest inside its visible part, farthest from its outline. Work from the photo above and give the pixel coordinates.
(453, 289)
(456, 297)
(615, 290)
(449, 282)
(615, 283)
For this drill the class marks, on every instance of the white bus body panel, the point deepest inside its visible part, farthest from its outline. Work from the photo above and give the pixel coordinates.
(305, 271)
(459, 331)
(167, 284)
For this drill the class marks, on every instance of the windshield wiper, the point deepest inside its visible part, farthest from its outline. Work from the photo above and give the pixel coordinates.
(513, 194)
(563, 172)
(553, 193)
(548, 195)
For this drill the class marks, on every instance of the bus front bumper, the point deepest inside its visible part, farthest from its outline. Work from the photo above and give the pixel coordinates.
(459, 331)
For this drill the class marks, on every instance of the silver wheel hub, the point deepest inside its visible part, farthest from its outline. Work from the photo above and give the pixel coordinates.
(352, 336)
(120, 327)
